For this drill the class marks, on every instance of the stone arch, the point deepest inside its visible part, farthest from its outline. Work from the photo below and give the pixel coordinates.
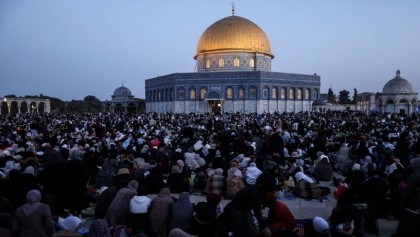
(213, 95)
(14, 107)
(41, 107)
(33, 107)
(24, 107)
(389, 106)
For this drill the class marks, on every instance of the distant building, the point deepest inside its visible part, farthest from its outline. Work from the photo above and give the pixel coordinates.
(397, 96)
(15, 105)
(122, 101)
(233, 75)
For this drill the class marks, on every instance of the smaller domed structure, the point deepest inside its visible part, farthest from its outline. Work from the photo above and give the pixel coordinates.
(122, 101)
(397, 96)
(122, 91)
(398, 85)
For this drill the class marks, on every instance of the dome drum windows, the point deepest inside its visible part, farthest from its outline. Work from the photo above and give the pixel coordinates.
(221, 62)
(236, 62)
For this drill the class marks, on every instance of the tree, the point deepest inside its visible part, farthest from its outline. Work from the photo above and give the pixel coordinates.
(343, 97)
(56, 104)
(354, 96)
(331, 98)
(92, 104)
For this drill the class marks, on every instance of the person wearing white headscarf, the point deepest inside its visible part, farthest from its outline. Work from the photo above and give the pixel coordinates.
(252, 173)
(70, 225)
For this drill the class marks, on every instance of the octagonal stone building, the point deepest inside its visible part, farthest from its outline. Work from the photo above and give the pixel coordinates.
(233, 74)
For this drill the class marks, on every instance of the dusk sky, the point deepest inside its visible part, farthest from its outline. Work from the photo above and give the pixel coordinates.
(73, 48)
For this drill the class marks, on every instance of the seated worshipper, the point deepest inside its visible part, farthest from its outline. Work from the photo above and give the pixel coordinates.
(342, 222)
(119, 209)
(200, 180)
(8, 224)
(234, 181)
(216, 183)
(245, 207)
(252, 173)
(106, 195)
(182, 213)
(139, 211)
(34, 217)
(160, 212)
(69, 226)
(176, 181)
(205, 217)
(316, 227)
(99, 228)
(198, 162)
(280, 221)
(106, 173)
(323, 169)
(307, 188)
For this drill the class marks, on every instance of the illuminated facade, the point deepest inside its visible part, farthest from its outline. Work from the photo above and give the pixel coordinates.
(233, 75)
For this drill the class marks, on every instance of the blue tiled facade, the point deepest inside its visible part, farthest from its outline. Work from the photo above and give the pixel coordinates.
(262, 90)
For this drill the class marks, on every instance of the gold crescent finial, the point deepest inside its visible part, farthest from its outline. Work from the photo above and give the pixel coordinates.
(233, 8)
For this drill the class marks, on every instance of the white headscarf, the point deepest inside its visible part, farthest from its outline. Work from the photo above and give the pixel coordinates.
(70, 223)
(320, 224)
(300, 175)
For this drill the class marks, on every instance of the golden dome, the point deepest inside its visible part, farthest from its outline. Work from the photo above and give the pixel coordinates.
(234, 33)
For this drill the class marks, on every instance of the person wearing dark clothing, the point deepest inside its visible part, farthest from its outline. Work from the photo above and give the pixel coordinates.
(246, 200)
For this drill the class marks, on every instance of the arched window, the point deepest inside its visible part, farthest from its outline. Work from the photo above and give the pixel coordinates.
(229, 93)
(274, 93)
(241, 93)
(283, 93)
(207, 63)
(236, 62)
(203, 92)
(307, 94)
(291, 94)
(181, 93)
(192, 94)
(221, 62)
(251, 63)
(265, 92)
(315, 94)
(299, 94)
(252, 93)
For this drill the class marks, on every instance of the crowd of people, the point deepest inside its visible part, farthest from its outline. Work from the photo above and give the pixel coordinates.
(126, 167)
